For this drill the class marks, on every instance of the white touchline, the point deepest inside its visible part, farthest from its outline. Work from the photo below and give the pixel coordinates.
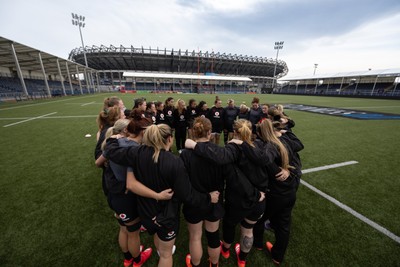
(326, 167)
(87, 103)
(343, 206)
(34, 118)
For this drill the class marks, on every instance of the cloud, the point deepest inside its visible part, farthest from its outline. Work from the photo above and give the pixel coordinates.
(374, 44)
(325, 32)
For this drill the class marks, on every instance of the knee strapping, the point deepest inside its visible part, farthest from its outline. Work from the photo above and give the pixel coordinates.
(134, 227)
(246, 225)
(213, 239)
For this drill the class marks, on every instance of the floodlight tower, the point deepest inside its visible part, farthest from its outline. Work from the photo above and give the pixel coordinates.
(78, 20)
(315, 67)
(278, 46)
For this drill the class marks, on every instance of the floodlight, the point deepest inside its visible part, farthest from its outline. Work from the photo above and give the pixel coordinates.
(78, 21)
(278, 46)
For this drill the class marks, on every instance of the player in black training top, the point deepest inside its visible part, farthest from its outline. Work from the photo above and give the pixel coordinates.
(216, 116)
(191, 114)
(280, 148)
(245, 188)
(158, 169)
(205, 177)
(231, 113)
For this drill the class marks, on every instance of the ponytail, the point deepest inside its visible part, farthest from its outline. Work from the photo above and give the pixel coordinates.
(156, 136)
(243, 129)
(118, 127)
(266, 132)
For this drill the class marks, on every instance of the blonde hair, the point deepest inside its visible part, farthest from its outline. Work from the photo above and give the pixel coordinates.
(156, 136)
(243, 108)
(266, 132)
(118, 127)
(243, 128)
(179, 106)
(279, 107)
(108, 116)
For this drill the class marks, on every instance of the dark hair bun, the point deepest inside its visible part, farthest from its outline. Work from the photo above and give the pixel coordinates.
(136, 114)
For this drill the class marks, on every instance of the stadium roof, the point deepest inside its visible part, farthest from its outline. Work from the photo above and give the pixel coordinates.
(177, 61)
(186, 76)
(29, 59)
(374, 73)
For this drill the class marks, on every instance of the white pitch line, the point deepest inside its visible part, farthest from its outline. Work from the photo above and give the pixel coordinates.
(34, 118)
(48, 102)
(343, 206)
(87, 104)
(20, 118)
(53, 117)
(378, 107)
(69, 117)
(326, 167)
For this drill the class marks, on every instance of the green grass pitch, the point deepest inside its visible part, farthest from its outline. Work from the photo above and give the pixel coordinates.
(53, 211)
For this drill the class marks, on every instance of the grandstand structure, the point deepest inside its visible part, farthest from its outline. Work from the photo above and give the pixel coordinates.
(370, 83)
(27, 72)
(180, 70)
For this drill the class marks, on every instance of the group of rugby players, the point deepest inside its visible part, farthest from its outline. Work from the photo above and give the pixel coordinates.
(251, 180)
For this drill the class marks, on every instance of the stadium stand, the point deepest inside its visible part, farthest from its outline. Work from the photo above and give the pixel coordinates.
(112, 62)
(27, 73)
(377, 83)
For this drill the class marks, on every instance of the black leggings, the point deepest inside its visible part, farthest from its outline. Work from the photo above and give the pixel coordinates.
(279, 211)
(180, 137)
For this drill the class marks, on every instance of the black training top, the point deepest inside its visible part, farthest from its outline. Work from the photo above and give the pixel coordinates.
(202, 113)
(169, 172)
(270, 155)
(216, 116)
(243, 115)
(293, 145)
(231, 114)
(97, 150)
(204, 176)
(180, 121)
(191, 114)
(169, 118)
(160, 117)
(254, 117)
(243, 183)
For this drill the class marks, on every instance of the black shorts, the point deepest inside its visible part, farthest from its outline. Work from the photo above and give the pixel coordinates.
(164, 233)
(195, 215)
(257, 212)
(236, 215)
(124, 206)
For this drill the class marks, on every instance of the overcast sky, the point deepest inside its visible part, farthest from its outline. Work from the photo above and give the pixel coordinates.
(338, 35)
